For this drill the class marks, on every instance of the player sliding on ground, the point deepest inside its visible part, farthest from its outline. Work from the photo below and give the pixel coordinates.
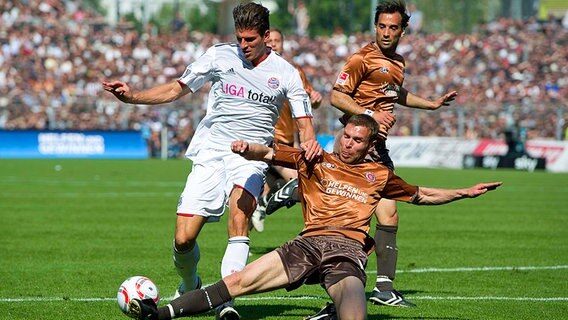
(339, 193)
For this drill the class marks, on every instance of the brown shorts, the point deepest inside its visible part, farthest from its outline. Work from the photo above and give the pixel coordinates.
(322, 259)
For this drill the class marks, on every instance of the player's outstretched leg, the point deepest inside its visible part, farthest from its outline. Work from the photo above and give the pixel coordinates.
(285, 196)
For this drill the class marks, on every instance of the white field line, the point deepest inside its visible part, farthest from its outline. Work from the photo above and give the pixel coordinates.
(511, 268)
(490, 298)
(480, 298)
(92, 182)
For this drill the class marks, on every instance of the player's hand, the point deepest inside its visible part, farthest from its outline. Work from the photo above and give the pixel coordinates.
(120, 90)
(239, 146)
(315, 97)
(385, 118)
(445, 100)
(312, 149)
(482, 188)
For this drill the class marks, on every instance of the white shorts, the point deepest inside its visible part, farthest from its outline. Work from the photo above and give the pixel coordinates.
(213, 175)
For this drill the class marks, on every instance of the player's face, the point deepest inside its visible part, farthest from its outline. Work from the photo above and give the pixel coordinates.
(388, 31)
(354, 144)
(252, 44)
(275, 41)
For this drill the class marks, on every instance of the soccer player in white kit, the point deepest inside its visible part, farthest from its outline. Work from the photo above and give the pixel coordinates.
(249, 84)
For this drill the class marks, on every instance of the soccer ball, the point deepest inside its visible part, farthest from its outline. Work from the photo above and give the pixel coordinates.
(138, 287)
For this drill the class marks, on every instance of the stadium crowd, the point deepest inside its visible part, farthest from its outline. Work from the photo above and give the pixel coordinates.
(55, 53)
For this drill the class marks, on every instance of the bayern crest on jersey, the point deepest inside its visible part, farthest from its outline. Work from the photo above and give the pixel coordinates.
(274, 83)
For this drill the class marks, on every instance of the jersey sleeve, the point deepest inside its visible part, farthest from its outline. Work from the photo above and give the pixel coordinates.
(287, 156)
(398, 189)
(351, 75)
(298, 97)
(200, 71)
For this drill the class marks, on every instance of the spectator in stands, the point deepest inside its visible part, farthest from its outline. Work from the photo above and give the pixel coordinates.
(301, 17)
(500, 66)
(177, 23)
(416, 19)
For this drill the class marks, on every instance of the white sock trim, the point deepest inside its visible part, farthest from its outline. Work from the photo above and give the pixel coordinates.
(383, 279)
(239, 239)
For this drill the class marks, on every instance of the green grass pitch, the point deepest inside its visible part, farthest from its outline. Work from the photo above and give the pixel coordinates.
(72, 230)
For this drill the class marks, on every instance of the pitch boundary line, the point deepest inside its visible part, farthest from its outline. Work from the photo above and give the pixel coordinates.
(424, 270)
(491, 298)
(526, 268)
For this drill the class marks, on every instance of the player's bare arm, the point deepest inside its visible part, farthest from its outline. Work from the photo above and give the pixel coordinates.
(411, 100)
(346, 104)
(433, 196)
(252, 151)
(308, 140)
(255, 151)
(163, 93)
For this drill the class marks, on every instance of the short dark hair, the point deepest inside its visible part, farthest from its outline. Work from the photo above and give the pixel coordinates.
(251, 16)
(392, 6)
(364, 120)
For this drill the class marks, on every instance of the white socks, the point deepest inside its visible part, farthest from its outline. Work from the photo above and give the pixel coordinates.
(186, 266)
(236, 255)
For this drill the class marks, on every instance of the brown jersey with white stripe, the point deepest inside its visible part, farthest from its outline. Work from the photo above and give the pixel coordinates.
(336, 194)
(285, 128)
(372, 79)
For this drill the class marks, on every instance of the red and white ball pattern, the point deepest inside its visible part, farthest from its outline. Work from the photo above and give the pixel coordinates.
(137, 287)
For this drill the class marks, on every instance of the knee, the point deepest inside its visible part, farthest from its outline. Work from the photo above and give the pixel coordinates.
(234, 284)
(388, 218)
(183, 240)
(387, 213)
(239, 217)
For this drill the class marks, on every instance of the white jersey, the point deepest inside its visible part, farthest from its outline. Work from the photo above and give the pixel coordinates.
(245, 101)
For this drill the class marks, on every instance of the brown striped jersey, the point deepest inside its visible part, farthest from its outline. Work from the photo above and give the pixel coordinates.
(337, 194)
(285, 128)
(372, 79)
